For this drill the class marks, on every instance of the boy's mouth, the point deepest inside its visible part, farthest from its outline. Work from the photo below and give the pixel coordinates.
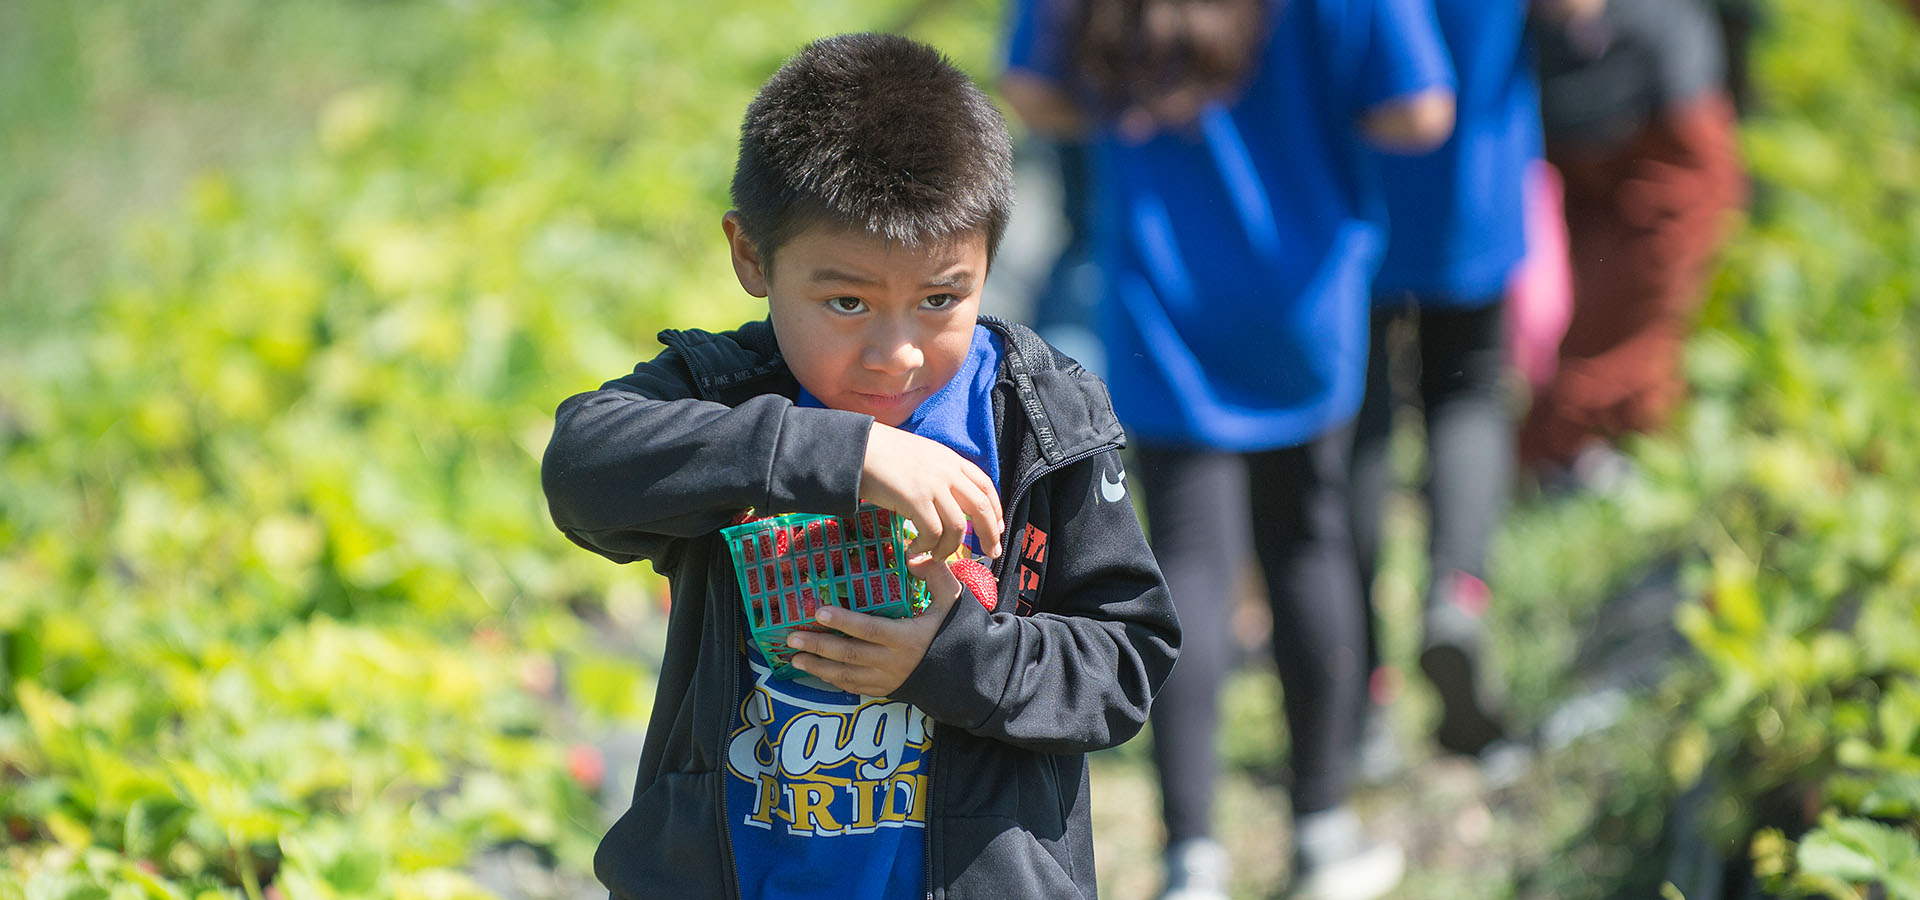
(889, 401)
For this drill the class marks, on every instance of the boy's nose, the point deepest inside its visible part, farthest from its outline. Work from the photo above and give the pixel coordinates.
(896, 356)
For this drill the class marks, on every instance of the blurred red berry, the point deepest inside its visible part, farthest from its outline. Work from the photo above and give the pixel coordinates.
(586, 766)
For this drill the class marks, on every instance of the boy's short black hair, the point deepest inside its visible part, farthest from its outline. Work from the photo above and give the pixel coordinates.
(874, 132)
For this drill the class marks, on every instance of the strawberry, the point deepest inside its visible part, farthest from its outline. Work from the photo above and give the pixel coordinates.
(978, 579)
(587, 766)
(830, 534)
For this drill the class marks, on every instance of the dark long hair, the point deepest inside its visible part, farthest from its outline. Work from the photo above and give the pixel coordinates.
(1164, 58)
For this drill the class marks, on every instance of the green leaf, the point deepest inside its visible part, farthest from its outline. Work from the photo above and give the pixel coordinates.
(70, 832)
(1822, 853)
(1893, 796)
(1735, 599)
(1904, 883)
(1899, 714)
(1857, 850)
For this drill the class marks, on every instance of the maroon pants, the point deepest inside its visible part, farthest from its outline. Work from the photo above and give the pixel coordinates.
(1643, 221)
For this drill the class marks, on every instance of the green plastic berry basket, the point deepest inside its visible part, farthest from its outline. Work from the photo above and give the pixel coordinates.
(790, 565)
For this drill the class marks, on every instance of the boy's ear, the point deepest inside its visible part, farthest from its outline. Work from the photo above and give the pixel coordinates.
(747, 265)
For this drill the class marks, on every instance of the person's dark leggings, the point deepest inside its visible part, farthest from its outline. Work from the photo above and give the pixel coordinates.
(1202, 508)
(1462, 361)
(1469, 434)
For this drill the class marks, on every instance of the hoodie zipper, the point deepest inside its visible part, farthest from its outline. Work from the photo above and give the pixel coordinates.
(1006, 543)
(1026, 483)
(926, 762)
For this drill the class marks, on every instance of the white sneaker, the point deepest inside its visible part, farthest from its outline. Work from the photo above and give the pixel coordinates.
(1334, 859)
(1197, 869)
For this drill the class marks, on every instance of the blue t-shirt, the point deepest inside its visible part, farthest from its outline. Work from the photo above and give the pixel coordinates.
(1239, 254)
(827, 790)
(1457, 215)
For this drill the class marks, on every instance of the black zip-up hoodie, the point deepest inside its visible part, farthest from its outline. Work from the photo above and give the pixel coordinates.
(652, 465)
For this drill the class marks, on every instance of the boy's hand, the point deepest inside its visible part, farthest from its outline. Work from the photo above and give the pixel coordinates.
(938, 489)
(875, 654)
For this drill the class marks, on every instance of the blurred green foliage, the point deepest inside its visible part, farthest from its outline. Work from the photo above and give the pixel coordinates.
(1798, 470)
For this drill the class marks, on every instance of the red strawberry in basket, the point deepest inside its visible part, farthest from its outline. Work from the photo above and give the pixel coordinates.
(831, 534)
(978, 579)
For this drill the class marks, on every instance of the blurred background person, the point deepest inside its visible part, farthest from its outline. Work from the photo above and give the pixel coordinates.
(1457, 236)
(1639, 122)
(1238, 224)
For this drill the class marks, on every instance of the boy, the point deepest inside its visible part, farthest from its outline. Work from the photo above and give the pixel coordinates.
(937, 756)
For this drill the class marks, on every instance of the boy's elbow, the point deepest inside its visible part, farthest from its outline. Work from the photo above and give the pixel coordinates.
(1412, 125)
(563, 478)
(558, 480)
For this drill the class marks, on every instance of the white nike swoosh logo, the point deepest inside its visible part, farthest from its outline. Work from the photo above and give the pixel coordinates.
(1112, 491)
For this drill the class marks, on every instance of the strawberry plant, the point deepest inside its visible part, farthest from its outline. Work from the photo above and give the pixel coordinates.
(1797, 461)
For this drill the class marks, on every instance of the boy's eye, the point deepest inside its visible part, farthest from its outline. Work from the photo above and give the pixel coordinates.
(846, 304)
(941, 301)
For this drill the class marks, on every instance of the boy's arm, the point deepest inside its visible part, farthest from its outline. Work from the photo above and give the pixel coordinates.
(1080, 672)
(1407, 84)
(1037, 71)
(639, 463)
(1410, 125)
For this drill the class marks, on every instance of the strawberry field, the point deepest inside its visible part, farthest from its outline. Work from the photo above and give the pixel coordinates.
(289, 291)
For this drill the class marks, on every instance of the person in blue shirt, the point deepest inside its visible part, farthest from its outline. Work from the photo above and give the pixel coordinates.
(1456, 237)
(1239, 222)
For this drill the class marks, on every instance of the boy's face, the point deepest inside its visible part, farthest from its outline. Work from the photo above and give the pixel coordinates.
(867, 325)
